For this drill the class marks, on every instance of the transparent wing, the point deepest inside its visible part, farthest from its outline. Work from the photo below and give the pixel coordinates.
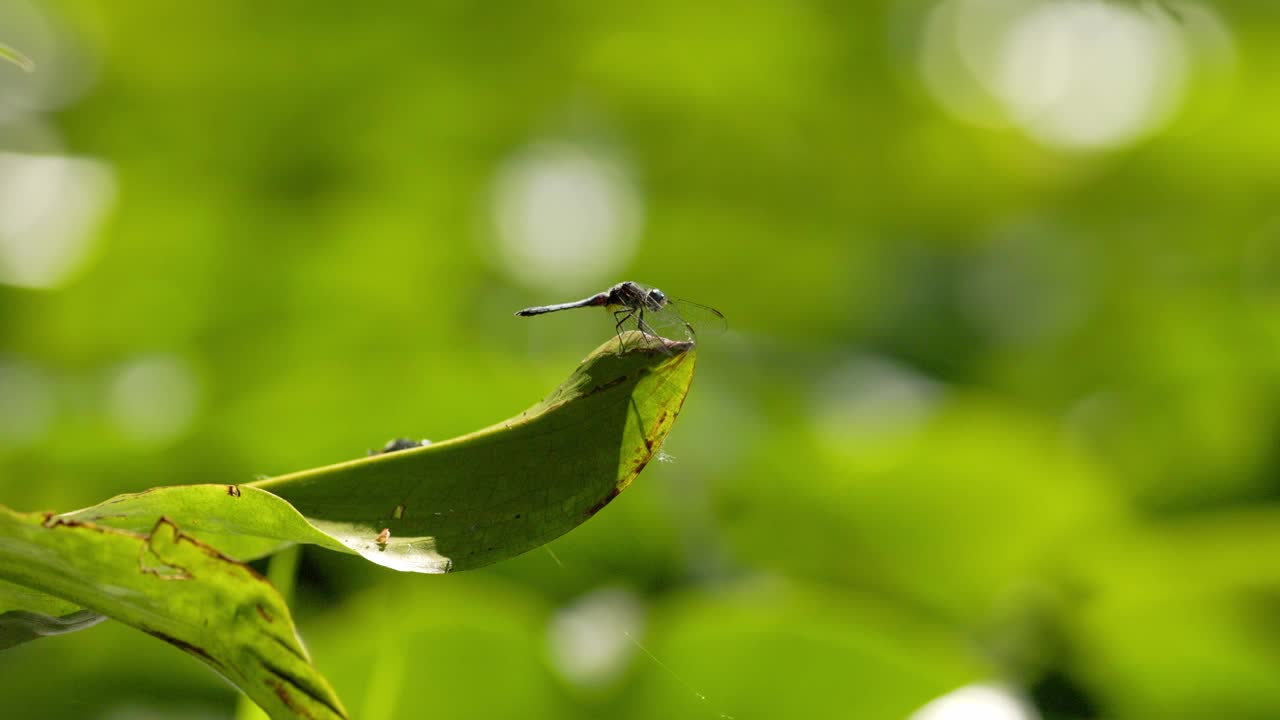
(680, 320)
(705, 320)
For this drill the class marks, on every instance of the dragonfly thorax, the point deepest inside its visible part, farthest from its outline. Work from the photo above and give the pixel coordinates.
(633, 296)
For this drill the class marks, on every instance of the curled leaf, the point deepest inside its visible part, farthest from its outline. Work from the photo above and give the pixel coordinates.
(461, 503)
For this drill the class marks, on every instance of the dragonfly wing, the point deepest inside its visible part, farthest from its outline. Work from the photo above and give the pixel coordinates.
(664, 323)
(705, 320)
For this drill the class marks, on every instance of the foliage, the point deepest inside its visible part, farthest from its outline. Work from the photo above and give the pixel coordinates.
(461, 504)
(993, 407)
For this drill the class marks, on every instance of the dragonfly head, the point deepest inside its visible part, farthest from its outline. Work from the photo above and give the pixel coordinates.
(657, 298)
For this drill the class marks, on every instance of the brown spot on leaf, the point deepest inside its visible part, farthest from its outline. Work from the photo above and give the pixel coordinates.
(382, 538)
(600, 505)
(53, 520)
(208, 550)
(601, 388)
(265, 615)
(233, 491)
(285, 697)
(185, 646)
(150, 563)
(301, 684)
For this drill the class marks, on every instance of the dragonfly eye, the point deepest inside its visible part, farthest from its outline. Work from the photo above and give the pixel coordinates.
(657, 297)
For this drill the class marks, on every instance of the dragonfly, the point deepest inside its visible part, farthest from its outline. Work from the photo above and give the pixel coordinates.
(653, 313)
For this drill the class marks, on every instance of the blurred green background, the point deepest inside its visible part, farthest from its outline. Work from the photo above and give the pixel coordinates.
(993, 433)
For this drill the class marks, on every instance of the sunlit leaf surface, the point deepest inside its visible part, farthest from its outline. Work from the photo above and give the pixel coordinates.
(177, 589)
(458, 504)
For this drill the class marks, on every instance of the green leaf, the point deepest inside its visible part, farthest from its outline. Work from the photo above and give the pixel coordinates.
(17, 58)
(458, 504)
(175, 588)
(28, 614)
(454, 505)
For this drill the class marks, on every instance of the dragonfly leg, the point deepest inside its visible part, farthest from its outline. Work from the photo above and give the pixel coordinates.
(617, 327)
(643, 326)
(647, 329)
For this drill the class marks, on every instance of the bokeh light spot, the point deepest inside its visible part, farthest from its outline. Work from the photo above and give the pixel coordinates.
(957, 58)
(589, 638)
(566, 215)
(1088, 74)
(50, 208)
(1072, 74)
(153, 399)
(978, 702)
